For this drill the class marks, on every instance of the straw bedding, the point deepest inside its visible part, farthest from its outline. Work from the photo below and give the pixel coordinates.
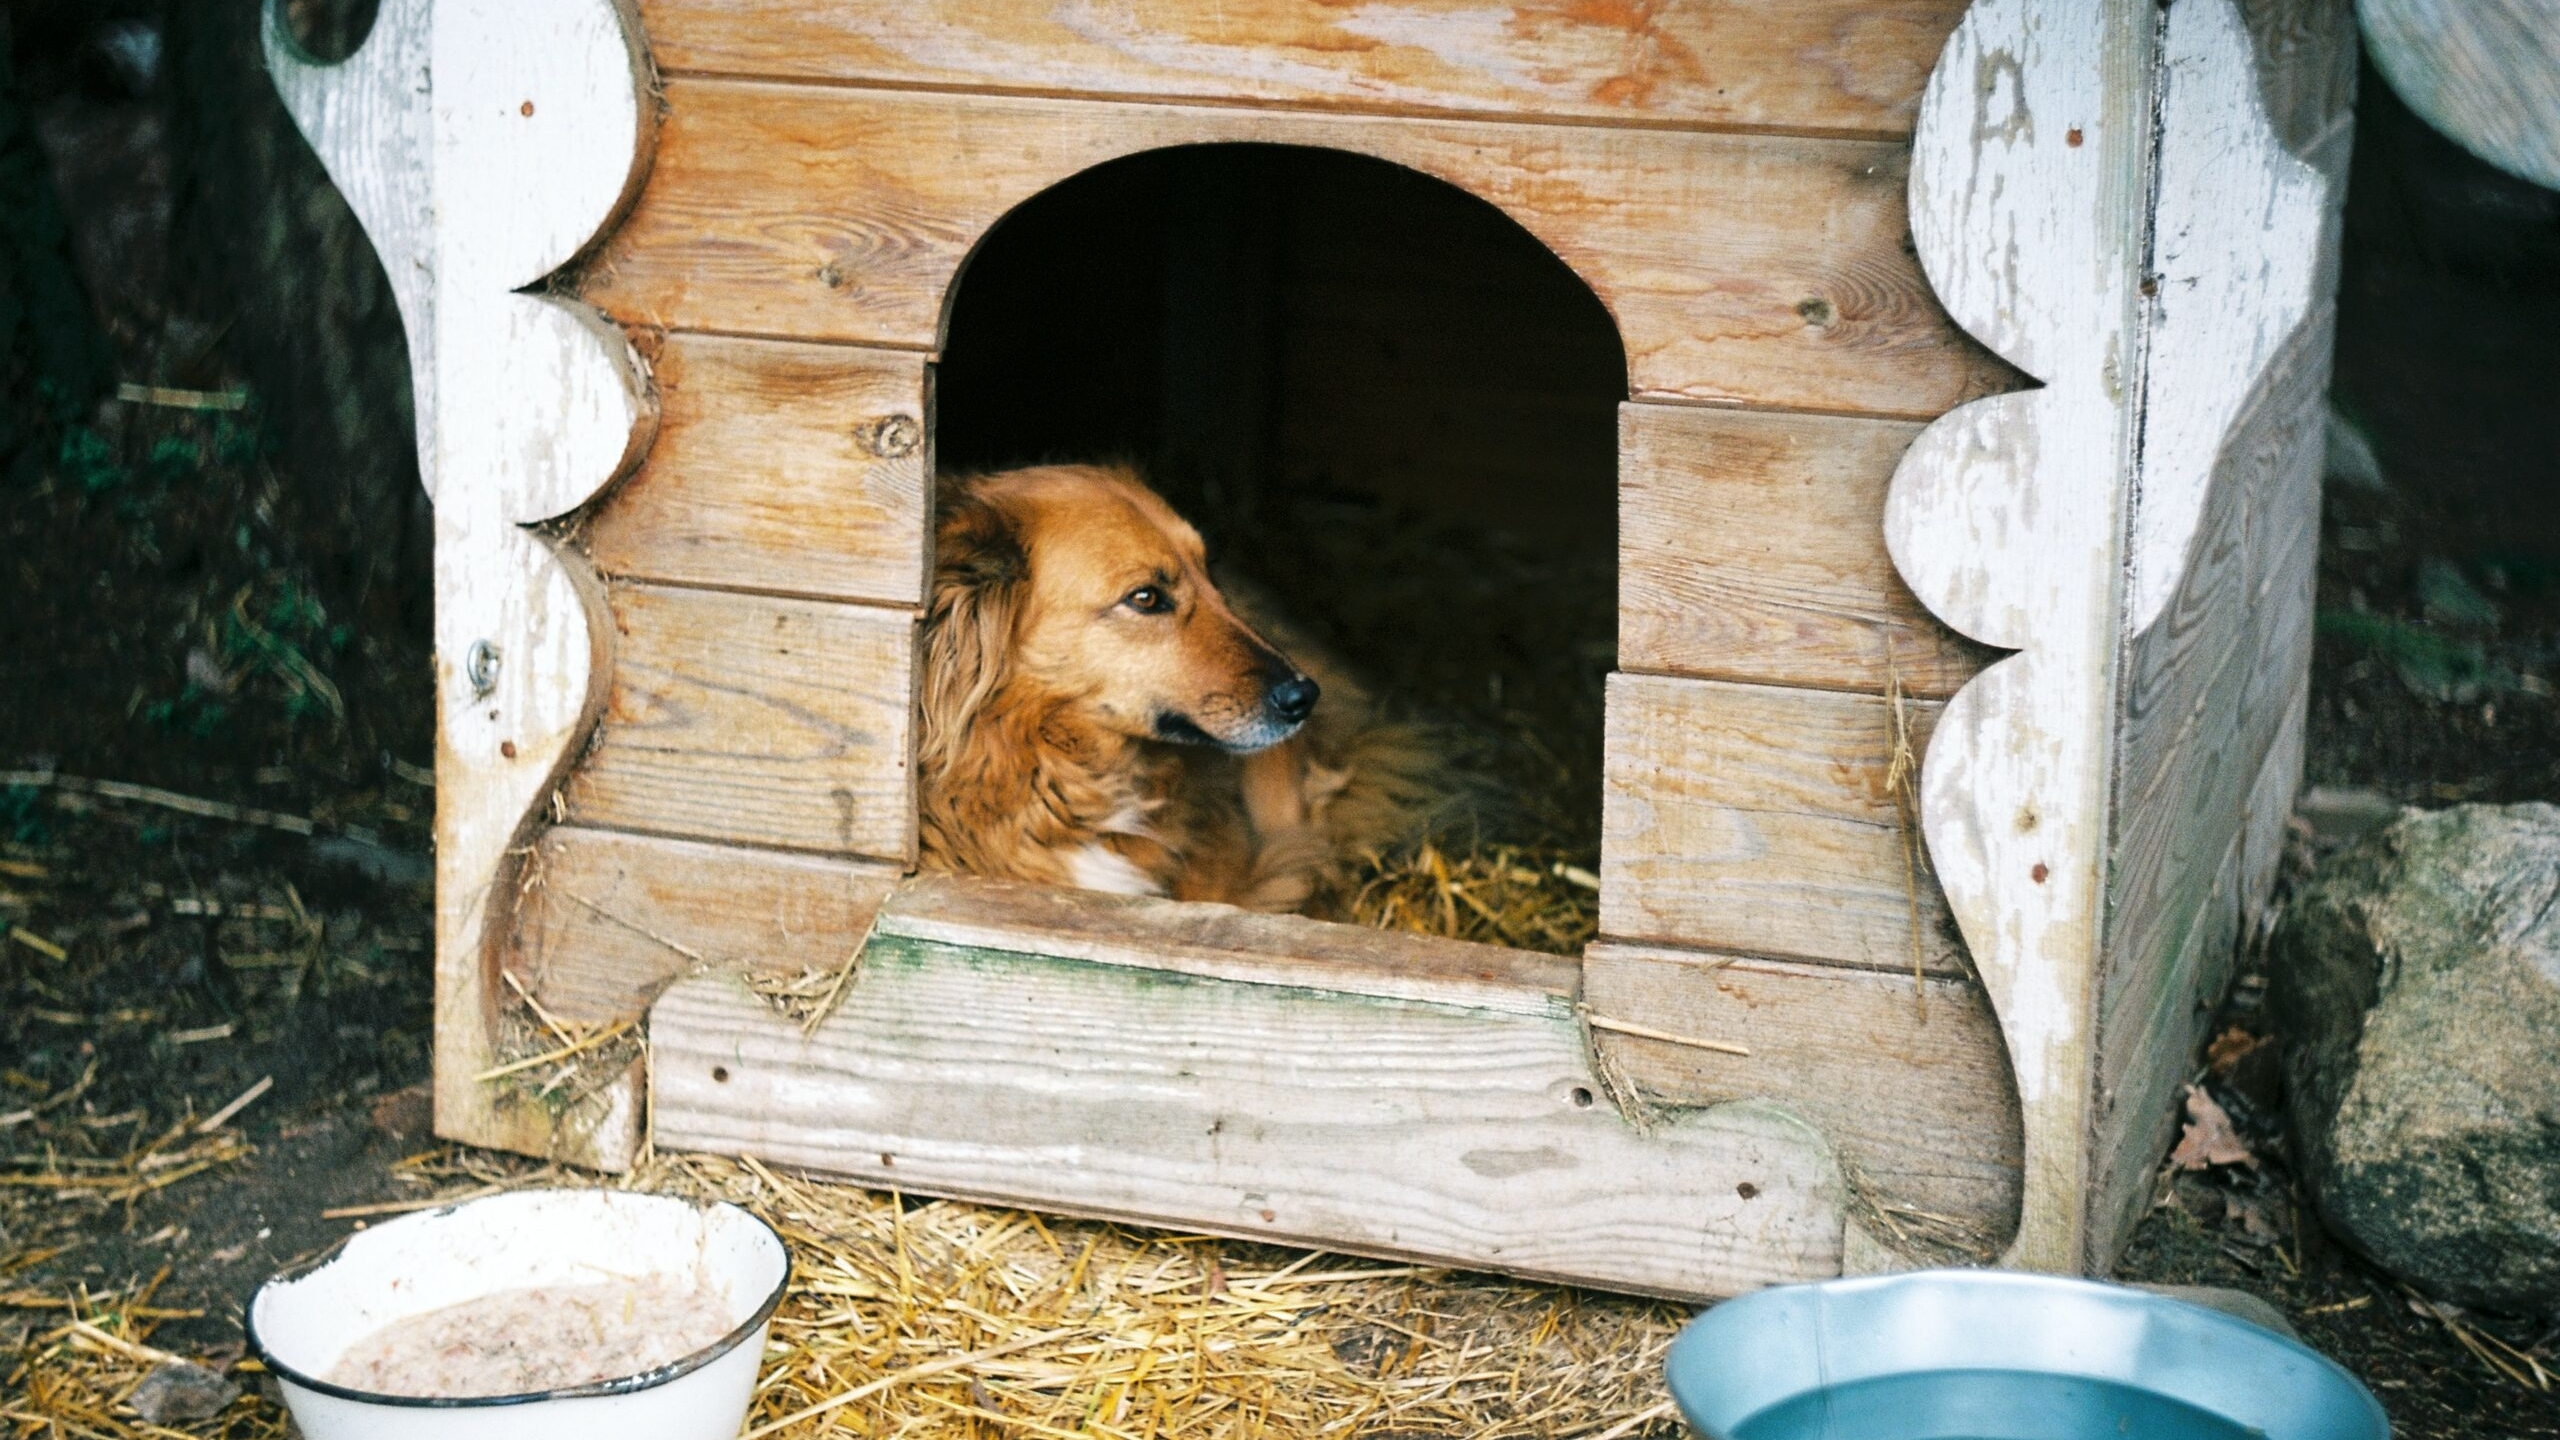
(946, 1321)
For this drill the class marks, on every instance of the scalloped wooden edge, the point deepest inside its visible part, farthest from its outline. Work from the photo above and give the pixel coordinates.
(532, 137)
(2044, 128)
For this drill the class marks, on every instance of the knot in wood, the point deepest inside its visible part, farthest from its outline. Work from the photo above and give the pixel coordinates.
(891, 437)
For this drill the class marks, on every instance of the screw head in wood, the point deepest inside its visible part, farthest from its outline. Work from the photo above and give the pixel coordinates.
(480, 667)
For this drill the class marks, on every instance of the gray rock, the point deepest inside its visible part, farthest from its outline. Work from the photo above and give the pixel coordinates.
(179, 1393)
(2417, 980)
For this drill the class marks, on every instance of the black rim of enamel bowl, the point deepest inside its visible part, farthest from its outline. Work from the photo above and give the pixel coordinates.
(622, 1385)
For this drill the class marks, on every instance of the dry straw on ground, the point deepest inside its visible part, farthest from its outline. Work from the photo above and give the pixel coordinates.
(946, 1321)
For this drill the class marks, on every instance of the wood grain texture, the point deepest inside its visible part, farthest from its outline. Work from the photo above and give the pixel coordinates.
(2137, 1110)
(1741, 269)
(2208, 755)
(2236, 252)
(2030, 167)
(1826, 65)
(797, 469)
(1221, 942)
(1751, 548)
(2485, 72)
(756, 720)
(1756, 819)
(1290, 1113)
(483, 144)
(1915, 1099)
(2208, 691)
(373, 127)
(608, 919)
(2306, 52)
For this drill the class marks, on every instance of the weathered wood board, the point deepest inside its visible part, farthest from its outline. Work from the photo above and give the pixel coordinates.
(1751, 548)
(2486, 72)
(1936, 1146)
(838, 214)
(1220, 942)
(2207, 739)
(789, 468)
(1755, 819)
(757, 720)
(1810, 66)
(607, 920)
(1121, 1087)
(2208, 783)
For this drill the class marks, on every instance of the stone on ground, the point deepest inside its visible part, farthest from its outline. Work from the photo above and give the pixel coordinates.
(2417, 981)
(178, 1393)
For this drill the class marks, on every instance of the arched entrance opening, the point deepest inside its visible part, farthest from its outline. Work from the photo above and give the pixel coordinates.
(1384, 403)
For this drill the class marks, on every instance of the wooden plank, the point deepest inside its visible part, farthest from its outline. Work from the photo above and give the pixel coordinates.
(2485, 72)
(2007, 520)
(2241, 237)
(1223, 943)
(2170, 668)
(2271, 802)
(2306, 53)
(2150, 1051)
(1755, 819)
(2207, 685)
(608, 919)
(1816, 65)
(1916, 1098)
(1453, 1134)
(791, 468)
(1751, 547)
(1741, 269)
(526, 407)
(755, 720)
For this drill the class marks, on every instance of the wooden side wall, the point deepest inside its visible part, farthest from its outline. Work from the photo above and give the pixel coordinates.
(2213, 695)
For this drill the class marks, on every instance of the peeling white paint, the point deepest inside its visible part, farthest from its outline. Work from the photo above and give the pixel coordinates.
(483, 143)
(2235, 249)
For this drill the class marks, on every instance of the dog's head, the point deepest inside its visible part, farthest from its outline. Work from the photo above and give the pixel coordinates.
(1083, 581)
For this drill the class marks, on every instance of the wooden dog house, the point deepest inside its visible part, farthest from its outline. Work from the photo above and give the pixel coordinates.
(1975, 362)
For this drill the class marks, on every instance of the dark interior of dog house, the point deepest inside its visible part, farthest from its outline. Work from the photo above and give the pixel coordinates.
(1379, 398)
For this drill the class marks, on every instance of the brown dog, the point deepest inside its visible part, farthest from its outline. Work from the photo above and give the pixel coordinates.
(1096, 713)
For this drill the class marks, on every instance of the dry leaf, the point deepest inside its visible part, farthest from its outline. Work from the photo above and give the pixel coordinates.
(2209, 1139)
(2229, 1048)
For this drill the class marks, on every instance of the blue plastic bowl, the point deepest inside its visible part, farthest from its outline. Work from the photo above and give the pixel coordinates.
(1998, 1355)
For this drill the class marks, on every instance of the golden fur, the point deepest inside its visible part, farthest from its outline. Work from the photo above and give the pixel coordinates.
(1096, 712)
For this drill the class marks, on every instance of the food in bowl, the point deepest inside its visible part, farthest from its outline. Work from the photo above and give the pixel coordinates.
(536, 1315)
(538, 1337)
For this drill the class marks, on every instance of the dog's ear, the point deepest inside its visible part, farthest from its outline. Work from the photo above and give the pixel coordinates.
(979, 569)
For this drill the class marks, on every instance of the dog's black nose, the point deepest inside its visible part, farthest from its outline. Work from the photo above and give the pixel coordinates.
(1294, 698)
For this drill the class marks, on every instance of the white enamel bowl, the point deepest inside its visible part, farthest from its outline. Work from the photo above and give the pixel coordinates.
(301, 1321)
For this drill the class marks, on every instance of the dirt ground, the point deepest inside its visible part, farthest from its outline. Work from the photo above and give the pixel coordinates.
(241, 914)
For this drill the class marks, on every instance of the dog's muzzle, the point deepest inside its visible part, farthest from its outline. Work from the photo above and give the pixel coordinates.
(1293, 699)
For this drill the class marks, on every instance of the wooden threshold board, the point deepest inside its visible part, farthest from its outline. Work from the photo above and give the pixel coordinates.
(1186, 1076)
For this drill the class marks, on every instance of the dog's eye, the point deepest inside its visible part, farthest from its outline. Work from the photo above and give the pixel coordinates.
(1148, 600)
